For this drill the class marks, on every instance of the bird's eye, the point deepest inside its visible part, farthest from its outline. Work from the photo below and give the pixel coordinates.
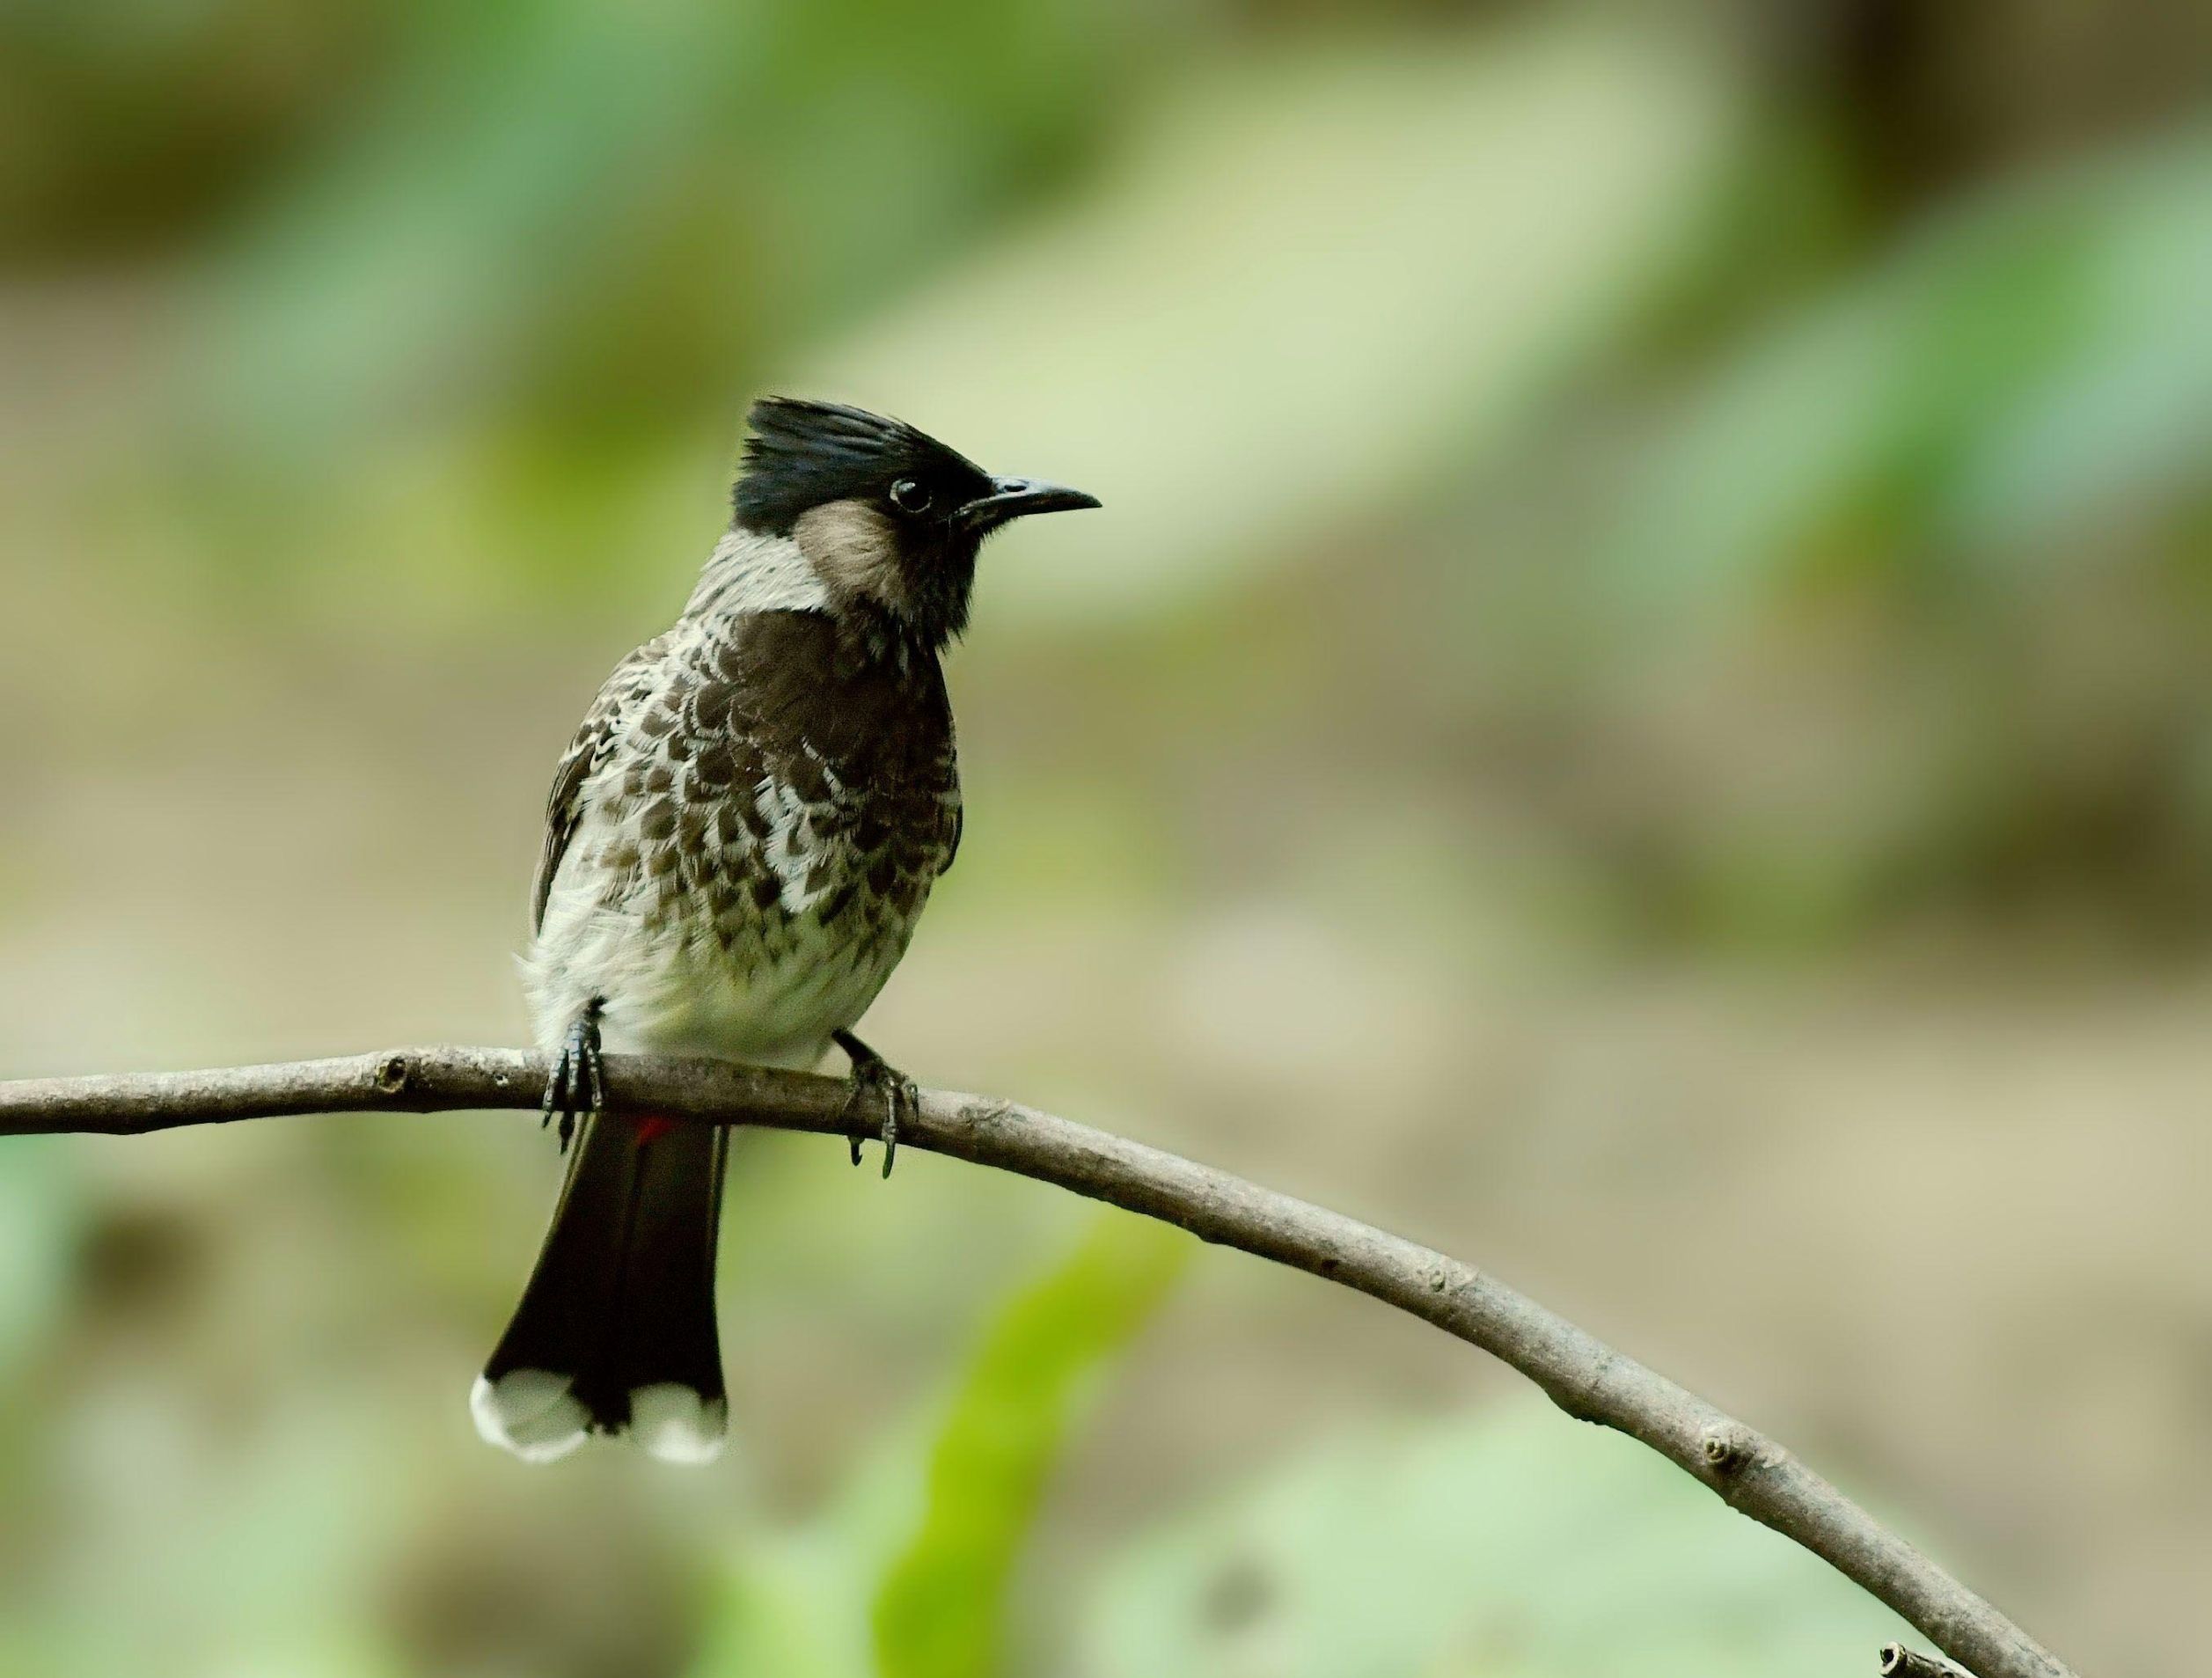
(911, 496)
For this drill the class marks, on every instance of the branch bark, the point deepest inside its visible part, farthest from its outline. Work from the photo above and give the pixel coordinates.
(1581, 1374)
(1898, 1661)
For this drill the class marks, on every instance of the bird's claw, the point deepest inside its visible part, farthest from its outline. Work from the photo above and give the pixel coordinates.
(874, 1076)
(578, 1087)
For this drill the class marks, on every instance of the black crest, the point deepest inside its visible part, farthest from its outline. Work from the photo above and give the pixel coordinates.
(802, 454)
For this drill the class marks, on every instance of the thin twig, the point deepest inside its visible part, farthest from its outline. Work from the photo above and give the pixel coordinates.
(1581, 1374)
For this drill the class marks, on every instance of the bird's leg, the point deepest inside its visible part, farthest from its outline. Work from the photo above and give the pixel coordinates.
(872, 1074)
(578, 1086)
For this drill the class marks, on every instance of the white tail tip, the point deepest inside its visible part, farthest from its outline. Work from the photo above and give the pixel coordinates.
(533, 1413)
(676, 1425)
(530, 1412)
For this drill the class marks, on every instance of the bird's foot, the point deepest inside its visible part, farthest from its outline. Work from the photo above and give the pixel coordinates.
(874, 1076)
(578, 1087)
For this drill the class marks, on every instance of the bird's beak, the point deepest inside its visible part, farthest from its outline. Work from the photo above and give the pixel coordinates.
(1013, 498)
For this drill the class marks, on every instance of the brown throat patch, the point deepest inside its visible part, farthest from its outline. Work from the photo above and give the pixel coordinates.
(854, 550)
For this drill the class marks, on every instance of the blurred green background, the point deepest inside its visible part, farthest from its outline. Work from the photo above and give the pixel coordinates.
(1641, 710)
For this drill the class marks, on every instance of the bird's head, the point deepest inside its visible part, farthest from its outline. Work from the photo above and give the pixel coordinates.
(882, 513)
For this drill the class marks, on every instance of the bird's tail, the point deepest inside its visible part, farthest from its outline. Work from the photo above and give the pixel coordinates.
(616, 1331)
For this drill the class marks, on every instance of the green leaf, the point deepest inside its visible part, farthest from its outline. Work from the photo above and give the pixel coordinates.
(1506, 1543)
(545, 206)
(904, 1573)
(42, 1214)
(941, 1609)
(2025, 364)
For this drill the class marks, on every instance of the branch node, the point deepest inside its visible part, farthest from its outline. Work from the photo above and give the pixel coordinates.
(392, 1074)
(1729, 1447)
(1898, 1661)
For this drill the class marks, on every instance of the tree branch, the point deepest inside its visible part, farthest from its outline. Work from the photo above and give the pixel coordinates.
(1580, 1373)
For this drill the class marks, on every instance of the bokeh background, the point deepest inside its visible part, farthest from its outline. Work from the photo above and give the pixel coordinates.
(1641, 711)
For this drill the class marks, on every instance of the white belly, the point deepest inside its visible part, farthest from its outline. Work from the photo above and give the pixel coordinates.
(767, 987)
(677, 992)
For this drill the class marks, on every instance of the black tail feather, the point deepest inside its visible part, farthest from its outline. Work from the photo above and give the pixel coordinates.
(616, 1330)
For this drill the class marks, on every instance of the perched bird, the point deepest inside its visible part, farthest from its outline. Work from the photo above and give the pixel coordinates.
(737, 847)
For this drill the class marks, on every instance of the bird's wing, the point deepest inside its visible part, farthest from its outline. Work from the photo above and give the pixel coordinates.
(631, 682)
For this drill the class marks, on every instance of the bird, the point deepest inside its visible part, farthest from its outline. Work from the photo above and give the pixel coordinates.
(738, 844)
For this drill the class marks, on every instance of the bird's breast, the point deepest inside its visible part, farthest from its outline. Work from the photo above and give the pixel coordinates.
(748, 862)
